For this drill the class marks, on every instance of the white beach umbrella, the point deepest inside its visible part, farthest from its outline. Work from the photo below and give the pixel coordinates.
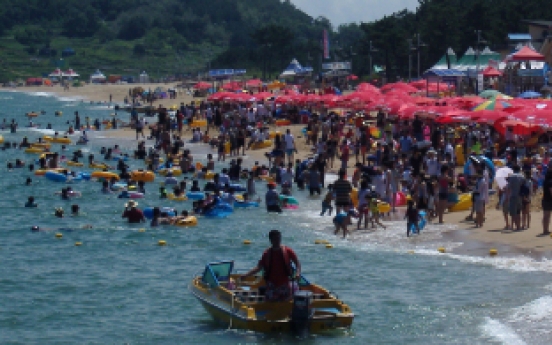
(501, 175)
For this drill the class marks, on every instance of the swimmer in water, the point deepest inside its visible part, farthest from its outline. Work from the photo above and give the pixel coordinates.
(58, 212)
(105, 188)
(36, 228)
(28, 182)
(74, 210)
(31, 202)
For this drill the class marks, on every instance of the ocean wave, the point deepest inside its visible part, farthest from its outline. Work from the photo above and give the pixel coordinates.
(501, 332)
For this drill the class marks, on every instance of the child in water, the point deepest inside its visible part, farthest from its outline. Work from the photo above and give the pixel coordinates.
(412, 217)
(327, 202)
(374, 210)
(162, 192)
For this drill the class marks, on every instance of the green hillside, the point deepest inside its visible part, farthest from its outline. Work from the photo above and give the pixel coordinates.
(164, 37)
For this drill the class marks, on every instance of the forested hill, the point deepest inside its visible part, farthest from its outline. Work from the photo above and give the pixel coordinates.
(167, 37)
(161, 36)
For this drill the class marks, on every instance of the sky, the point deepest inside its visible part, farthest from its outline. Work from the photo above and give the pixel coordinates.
(346, 11)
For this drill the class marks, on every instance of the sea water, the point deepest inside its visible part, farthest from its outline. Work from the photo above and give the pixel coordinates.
(119, 286)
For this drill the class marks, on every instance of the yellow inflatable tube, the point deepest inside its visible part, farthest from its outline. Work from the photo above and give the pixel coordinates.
(199, 123)
(35, 150)
(172, 197)
(41, 172)
(189, 221)
(98, 166)
(42, 145)
(267, 178)
(464, 203)
(175, 172)
(57, 140)
(146, 176)
(74, 164)
(261, 145)
(104, 174)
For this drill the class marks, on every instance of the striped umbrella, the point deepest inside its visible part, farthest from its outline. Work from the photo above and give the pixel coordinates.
(492, 104)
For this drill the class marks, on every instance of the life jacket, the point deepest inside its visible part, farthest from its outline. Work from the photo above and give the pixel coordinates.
(287, 262)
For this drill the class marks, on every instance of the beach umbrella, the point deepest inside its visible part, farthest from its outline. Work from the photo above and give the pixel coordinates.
(202, 85)
(492, 104)
(254, 83)
(489, 94)
(501, 175)
(488, 116)
(529, 94)
(518, 127)
(375, 132)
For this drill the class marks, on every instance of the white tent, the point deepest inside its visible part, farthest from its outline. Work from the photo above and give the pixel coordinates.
(294, 68)
(70, 74)
(56, 73)
(97, 76)
(144, 78)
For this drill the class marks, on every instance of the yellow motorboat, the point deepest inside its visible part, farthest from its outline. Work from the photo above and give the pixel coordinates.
(241, 304)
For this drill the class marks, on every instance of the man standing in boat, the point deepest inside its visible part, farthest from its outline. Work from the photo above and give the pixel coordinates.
(276, 264)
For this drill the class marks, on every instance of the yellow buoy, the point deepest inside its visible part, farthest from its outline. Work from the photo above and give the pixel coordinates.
(329, 246)
(493, 252)
(78, 244)
(246, 242)
(442, 250)
(59, 235)
(141, 230)
(162, 243)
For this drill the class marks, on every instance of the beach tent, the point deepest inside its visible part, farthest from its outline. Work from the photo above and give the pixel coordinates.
(294, 68)
(447, 61)
(491, 72)
(97, 77)
(56, 73)
(466, 61)
(70, 74)
(526, 54)
(144, 78)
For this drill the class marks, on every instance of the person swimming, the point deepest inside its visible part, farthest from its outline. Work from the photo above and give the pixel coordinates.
(31, 202)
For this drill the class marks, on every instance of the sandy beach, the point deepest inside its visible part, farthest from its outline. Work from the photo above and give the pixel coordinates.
(476, 240)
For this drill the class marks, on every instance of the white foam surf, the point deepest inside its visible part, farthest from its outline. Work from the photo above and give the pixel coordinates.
(501, 332)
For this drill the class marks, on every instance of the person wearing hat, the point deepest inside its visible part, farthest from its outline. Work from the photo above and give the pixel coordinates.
(132, 213)
(272, 199)
(276, 265)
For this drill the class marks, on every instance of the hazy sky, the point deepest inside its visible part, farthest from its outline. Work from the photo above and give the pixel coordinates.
(346, 11)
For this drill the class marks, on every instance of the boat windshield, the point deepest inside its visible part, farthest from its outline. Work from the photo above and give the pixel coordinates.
(217, 272)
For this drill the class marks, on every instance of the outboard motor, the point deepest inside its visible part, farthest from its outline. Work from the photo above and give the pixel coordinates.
(301, 313)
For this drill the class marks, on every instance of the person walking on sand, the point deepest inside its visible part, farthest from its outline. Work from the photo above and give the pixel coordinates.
(546, 202)
(515, 181)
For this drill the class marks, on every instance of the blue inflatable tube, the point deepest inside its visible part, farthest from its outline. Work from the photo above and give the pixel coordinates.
(85, 176)
(124, 158)
(220, 210)
(246, 204)
(148, 212)
(118, 186)
(195, 195)
(421, 223)
(488, 164)
(55, 176)
(237, 187)
(289, 199)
